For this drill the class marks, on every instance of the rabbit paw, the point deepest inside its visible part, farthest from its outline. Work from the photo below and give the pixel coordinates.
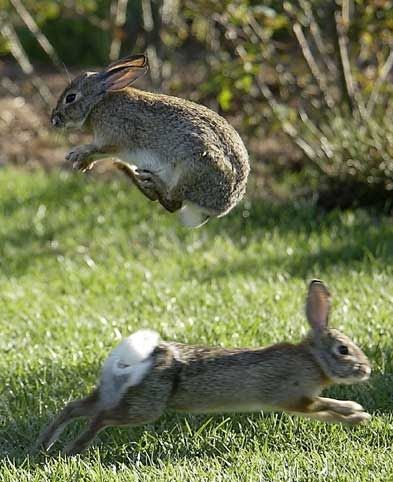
(356, 418)
(150, 183)
(345, 407)
(80, 157)
(348, 407)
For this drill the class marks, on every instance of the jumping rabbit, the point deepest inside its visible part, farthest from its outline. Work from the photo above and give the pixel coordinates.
(143, 377)
(175, 151)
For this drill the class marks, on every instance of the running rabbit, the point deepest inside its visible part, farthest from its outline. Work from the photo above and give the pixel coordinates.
(143, 377)
(175, 151)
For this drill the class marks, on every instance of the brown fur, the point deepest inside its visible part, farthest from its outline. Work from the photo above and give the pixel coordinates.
(284, 376)
(199, 158)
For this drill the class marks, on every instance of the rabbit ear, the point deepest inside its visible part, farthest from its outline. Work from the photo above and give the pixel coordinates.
(136, 61)
(124, 72)
(318, 305)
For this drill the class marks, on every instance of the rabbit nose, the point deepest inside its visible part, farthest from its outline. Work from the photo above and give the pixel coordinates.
(56, 120)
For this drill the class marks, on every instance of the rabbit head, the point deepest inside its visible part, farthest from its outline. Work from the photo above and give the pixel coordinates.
(86, 90)
(341, 360)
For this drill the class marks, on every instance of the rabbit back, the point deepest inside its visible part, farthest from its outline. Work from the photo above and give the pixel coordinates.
(213, 380)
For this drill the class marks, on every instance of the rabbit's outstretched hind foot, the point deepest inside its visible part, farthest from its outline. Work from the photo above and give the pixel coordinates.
(132, 172)
(77, 408)
(78, 445)
(151, 183)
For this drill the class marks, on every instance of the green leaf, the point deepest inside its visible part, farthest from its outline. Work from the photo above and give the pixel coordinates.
(225, 98)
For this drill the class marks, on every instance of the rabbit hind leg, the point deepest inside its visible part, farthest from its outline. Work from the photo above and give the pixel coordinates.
(77, 408)
(171, 200)
(152, 186)
(98, 423)
(104, 419)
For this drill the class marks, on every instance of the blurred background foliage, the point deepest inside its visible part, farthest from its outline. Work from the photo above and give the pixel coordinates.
(313, 75)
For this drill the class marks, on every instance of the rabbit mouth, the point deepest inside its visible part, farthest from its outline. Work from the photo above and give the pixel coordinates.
(364, 372)
(71, 124)
(59, 122)
(360, 373)
(355, 374)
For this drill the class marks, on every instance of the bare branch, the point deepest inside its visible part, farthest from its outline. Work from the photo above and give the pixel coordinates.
(387, 66)
(102, 24)
(119, 21)
(16, 48)
(31, 24)
(169, 10)
(276, 108)
(148, 25)
(317, 36)
(311, 62)
(10, 86)
(351, 94)
(147, 13)
(345, 66)
(287, 127)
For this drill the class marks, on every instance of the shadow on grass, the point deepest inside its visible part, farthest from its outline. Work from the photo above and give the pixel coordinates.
(173, 437)
(364, 237)
(29, 244)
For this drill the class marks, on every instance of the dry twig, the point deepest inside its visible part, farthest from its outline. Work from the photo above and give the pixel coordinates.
(18, 52)
(386, 68)
(312, 64)
(31, 24)
(120, 16)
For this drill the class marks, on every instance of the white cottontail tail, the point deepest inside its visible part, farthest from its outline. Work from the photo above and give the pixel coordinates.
(177, 152)
(144, 376)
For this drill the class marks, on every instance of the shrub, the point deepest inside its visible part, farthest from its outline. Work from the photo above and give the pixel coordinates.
(323, 70)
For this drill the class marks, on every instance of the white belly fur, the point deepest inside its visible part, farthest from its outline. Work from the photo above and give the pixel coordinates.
(191, 215)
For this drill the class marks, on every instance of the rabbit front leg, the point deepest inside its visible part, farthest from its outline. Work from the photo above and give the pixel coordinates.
(344, 411)
(345, 407)
(83, 157)
(331, 416)
(332, 411)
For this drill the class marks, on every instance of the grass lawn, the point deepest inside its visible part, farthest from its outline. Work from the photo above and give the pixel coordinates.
(85, 261)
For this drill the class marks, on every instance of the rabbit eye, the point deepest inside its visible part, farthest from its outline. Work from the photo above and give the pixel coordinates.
(70, 98)
(342, 349)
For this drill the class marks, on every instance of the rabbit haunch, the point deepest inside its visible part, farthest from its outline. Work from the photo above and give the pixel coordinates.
(127, 365)
(191, 215)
